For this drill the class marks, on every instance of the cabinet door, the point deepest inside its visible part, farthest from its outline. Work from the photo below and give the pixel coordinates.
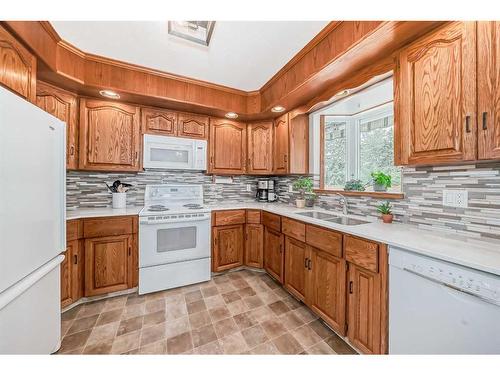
(281, 144)
(435, 93)
(192, 126)
(64, 106)
(299, 145)
(109, 138)
(260, 148)
(107, 264)
(228, 247)
(254, 245)
(159, 121)
(77, 270)
(488, 80)
(273, 254)
(326, 288)
(364, 307)
(66, 293)
(296, 267)
(17, 67)
(227, 146)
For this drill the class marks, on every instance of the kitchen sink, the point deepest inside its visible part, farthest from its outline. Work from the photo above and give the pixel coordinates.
(332, 218)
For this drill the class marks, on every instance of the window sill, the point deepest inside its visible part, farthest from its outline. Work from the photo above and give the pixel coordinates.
(374, 194)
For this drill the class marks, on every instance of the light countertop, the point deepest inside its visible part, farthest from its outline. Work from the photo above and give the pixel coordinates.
(474, 253)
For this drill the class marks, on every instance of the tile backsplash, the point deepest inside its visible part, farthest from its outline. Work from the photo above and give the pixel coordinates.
(421, 207)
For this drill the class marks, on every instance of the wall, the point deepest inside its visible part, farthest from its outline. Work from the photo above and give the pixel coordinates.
(422, 205)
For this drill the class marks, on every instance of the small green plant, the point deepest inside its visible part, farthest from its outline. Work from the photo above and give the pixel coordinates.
(303, 185)
(382, 179)
(354, 185)
(385, 208)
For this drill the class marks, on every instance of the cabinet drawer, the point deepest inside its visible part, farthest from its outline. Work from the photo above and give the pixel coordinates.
(253, 216)
(73, 230)
(229, 217)
(293, 228)
(271, 221)
(108, 226)
(324, 239)
(361, 252)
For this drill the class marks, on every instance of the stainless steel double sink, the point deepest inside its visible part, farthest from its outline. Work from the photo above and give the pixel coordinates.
(344, 220)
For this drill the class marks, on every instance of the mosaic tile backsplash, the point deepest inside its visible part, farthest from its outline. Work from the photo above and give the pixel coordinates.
(422, 205)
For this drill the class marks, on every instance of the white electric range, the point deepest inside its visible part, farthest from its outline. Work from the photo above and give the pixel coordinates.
(174, 237)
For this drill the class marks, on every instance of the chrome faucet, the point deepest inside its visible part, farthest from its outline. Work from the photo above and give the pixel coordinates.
(343, 202)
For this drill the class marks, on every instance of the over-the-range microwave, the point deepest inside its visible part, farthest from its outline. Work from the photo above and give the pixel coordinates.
(163, 152)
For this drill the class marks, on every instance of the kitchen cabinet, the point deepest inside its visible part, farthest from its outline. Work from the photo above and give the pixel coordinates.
(192, 126)
(273, 253)
(435, 97)
(108, 264)
(17, 67)
(109, 136)
(159, 121)
(281, 144)
(297, 264)
(488, 89)
(260, 148)
(228, 246)
(326, 285)
(72, 267)
(254, 245)
(299, 144)
(227, 147)
(63, 105)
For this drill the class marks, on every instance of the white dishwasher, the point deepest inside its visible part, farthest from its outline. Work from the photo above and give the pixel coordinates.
(436, 307)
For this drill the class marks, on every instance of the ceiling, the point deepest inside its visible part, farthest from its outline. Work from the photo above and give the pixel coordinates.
(242, 54)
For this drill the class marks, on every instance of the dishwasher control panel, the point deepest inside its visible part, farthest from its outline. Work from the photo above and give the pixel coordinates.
(465, 279)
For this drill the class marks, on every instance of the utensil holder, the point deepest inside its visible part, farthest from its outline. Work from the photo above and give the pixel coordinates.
(119, 200)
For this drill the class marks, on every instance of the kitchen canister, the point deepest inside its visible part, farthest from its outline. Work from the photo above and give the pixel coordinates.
(119, 200)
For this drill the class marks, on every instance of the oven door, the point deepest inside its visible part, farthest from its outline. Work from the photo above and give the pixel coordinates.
(168, 152)
(162, 243)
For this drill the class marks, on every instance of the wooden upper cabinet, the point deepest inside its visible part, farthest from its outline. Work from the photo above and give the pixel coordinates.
(260, 148)
(228, 145)
(228, 247)
(296, 267)
(435, 97)
(192, 126)
(299, 144)
(109, 136)
(281, 144)
(17, 67)
(159, 121)
(488, 94)
(63, 105)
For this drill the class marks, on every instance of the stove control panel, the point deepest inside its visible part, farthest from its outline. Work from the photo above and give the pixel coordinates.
(174, 218)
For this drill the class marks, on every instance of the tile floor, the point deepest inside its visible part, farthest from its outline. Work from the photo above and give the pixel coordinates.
(242, 312)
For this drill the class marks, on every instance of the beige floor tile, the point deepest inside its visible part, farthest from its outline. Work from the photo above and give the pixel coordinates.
(176, 327)
(193, 296)
(286, 344)
(103, 333)
(214, 301)
(247, 292)
(159, 347)
(225, 288)
(154, 306)
(321, 348)
(83, 324)
(74, 341)
(291, 320)
(126, 343)
(110, 316)
(279, 307)
(231, 296)
(196, 307)
(71, 314)
(253, 302)
(101, 347)
(209, 291)
(225, 327)
(203, 335)
(233, 344)
(129, 325)
(152, 334)
(115, 303)
(176, 310)
(306, 336)
(219, 313)
(305, 314)
(154, 318)
(321, 329)
(273, 328)
(90, 309)
(132, 311)
(65, 324)
(180, 344)
(213, 347)
(237, 307)
(338, 345)
(135, 299)
(265, 348)
(254, 336)
(261, 314)
(245, 320)
(199, 319)
(268, 297)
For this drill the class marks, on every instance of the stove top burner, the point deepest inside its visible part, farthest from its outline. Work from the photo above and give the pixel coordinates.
(193, 206)
(157, 208)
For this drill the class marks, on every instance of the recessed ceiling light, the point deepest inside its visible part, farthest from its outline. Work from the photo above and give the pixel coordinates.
(109, 94)
(277, 109)
(342, 93)
(231, 115)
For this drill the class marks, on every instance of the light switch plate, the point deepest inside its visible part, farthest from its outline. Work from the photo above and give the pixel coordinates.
(290, 188)
(455, 198)
(249, 187)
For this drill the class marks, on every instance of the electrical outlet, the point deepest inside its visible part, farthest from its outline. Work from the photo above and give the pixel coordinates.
(455, 198)
(290, 188)
(249, 187)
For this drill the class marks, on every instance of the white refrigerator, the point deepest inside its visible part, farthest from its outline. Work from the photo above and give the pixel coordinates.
(32, 226)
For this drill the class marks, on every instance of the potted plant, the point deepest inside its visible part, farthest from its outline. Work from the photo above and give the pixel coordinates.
(386, 210)
(354, 185)
(310, 199)
(381, 181)
(302, 185)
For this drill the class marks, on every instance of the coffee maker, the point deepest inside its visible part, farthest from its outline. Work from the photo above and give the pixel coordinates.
(266, 191)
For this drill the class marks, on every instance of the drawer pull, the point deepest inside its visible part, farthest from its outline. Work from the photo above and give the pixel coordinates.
(75, 259)
(467, 124)
(350, 287)
(305, 262)
(485, 124)
(309, 264)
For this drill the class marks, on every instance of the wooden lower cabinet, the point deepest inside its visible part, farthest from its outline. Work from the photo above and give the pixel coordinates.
(254, 245)
(107, 264)
(273, 254)
(326, 288)
(72, 269)
(296, 267)
(228, 244)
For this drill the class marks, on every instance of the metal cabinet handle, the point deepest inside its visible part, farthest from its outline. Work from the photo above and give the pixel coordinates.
(485, 124)
(309, 264)
(71, 150)
(129, 251)
(467, 124)
(305, 262)
(350, 287)
(75, 259)
(285, 158)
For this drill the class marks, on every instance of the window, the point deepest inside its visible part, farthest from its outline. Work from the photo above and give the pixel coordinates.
(356, 145)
